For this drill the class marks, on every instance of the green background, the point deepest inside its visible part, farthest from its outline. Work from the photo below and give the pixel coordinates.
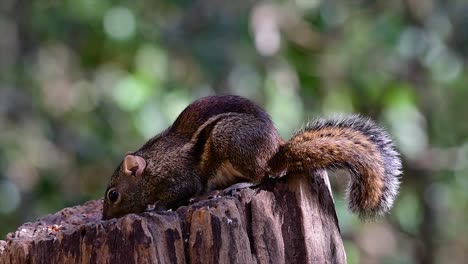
(82, 82)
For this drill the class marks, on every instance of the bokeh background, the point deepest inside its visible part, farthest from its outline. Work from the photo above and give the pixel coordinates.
(82, 82)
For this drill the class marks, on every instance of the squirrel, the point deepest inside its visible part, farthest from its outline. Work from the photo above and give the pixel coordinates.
(218, 141)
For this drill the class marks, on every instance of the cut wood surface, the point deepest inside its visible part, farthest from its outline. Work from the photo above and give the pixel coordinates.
(290, 220)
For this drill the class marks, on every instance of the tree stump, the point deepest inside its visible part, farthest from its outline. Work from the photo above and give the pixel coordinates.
(287, 220)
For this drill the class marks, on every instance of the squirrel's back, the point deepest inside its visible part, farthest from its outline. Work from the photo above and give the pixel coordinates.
(201, 110)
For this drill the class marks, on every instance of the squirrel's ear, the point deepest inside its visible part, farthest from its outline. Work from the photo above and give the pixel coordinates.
(134, 165)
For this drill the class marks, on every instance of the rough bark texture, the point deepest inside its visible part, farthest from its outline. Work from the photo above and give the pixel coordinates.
(291, 220)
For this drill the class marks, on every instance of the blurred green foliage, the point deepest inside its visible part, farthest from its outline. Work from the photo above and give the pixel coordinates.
(82, 82)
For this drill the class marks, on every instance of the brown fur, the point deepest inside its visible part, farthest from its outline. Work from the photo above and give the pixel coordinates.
(331, 146)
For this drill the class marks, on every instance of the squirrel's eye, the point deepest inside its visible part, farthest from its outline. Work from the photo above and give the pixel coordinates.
(113, 195)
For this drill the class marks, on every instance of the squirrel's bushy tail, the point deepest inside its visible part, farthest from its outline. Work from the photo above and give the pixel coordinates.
(354, 143)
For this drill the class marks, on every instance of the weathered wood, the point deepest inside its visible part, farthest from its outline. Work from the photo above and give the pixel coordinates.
(290, 220)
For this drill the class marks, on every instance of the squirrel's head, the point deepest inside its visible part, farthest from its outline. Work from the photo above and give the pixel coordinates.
(159, 174)
(123, 195)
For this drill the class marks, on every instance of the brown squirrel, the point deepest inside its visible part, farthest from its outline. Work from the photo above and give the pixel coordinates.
(218, 141)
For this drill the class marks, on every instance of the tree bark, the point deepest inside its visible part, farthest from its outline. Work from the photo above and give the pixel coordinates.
(287, 220)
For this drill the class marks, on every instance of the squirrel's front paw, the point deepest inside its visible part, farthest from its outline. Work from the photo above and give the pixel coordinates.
(158, 206)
